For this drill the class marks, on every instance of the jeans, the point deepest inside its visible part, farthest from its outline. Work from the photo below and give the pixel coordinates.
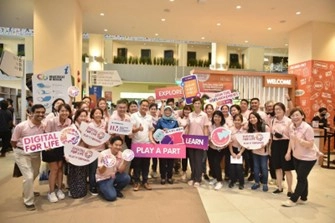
(29, 165)
(92, 169)
(302, 168)
(108, 188)
(260, 168)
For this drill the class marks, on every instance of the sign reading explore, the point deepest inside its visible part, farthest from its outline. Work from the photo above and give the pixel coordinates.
(147, 150)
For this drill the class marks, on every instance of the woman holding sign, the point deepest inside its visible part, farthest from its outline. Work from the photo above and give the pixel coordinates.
(111, 176)
(304, 155)
(167, 121)
(198, 126)
(260, 156)
(55, 156)
(77, 174)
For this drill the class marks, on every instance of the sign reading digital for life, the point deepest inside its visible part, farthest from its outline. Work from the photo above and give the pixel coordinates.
(51, 84)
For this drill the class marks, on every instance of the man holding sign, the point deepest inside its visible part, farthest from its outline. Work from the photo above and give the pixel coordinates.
(111, 176)
(29, 164)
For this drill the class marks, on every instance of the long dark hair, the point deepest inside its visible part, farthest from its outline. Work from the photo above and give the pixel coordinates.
(259, 123)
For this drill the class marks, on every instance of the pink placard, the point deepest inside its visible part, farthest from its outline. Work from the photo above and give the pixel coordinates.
(148, 150)
(169, 92)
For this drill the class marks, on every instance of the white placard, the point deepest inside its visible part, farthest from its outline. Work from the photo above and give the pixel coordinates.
(109, 160)
(128, 155)
(73, 91)
(80, 156)
(119, 127)
(253, 140)
(51, 84)
(12, 64)
(93, 136)
(108, 78)
(236, 160)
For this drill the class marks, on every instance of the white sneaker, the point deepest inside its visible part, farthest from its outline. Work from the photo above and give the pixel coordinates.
(288, 203)
(196, 184)
(191, 182)
(218, 186)
(52, 197)
(184, 176)
(60, 195)
(149, 176)
(212, 182)
(154, 174)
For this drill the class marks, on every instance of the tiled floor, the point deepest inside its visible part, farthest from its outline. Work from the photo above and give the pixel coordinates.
(173, 203)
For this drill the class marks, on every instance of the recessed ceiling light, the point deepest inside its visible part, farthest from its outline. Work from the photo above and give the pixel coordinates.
(246, 41)
(238, 7)
(298, 13)
(171, 0)
(286, 44)
(218, 24)
(156, 34)
(202, 37)
(105, 30)
(269, 28)
(163, 20)
(102, 14)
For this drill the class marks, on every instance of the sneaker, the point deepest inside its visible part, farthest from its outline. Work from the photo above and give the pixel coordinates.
(206, 177)
(241, 187)
(94, 191)
(231, 185)
(52, 197)
(170, 181)
(154, 174)
(136, 186)
(289, 194)
(60, 195)
(119, 194)
(196, 184)
(265, 188)
(288, 203)
(30, 207)
(212, 182)
(190, 182)
(147, 186)
(218, 186)
(163, 181)
(277, 191)
(149, 176)
(301, 201)
(69, 194)
(184, 176)
(37, 194)
(255, 186)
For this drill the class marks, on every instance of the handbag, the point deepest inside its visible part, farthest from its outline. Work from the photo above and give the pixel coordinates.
(16, 171)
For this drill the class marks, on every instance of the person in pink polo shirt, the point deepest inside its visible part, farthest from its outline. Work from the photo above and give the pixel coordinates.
(304, 155)
(29, 164)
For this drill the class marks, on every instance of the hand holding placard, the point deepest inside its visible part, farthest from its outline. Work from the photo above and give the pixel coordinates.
(128, 155)
(109, 161)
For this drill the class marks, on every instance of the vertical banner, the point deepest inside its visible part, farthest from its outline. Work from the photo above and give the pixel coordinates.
(51, 84)
(190, 87)
(95, 93)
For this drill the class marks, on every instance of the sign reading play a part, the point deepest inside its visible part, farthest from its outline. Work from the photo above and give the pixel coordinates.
(51, 84)
(108, 78)
(11, 64)
(159, 150)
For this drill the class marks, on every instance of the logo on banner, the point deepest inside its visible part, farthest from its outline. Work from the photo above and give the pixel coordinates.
(221, 137)
(70, 135)
(253, 140)
(79, 156)
(119, 127)
(93, 136)
(159, 150)
(171, 136)
(196, 142)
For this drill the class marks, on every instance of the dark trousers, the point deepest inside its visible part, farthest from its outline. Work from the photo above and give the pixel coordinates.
(92, 169)
(302, 168)
(214, 160)
(154, 164)
(272, 169)
(249, 163)
(227, 171)
(196, 164)
(141, 166)
(77, 180)
(166, 167)
(5, 137)
(184, 161)
(236, 171)
(204, 162)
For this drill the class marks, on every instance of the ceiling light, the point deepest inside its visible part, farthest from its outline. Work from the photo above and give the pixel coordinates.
(218, 24)
(171, 0)
(269, 28)
(286, 44)
(163, 20)
(298, 13)
(156, 34)
(238, 7)
(202, 37)
(246, 41)
(102, 14)
(105, 30)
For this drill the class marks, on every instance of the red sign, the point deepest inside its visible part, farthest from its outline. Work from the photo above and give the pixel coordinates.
(169, 92)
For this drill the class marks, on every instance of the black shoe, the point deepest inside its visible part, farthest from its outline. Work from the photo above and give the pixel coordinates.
(289, 194)
(94, 191)
(231, 185)
(163, 181)
(170, 181)
(277, 191)
(251, 177)
(206, 177)
(37, 194)
(119, 194)
(241, 187)
(30, 207)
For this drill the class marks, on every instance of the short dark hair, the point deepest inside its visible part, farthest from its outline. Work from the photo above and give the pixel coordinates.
(3, 104)
(281, 105)
(235, 106)
(170, 100)
(245, 100)
(153, 105)
(94, 109)
(78, 113)
(254, 99)
(219, 113)
(29, 98)
(10, 101)
(114, 139)
(322, 109)
(36, 106)
(144, 100)
(195, 99)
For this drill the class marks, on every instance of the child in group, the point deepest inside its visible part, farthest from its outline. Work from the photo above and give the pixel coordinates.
(236, 151)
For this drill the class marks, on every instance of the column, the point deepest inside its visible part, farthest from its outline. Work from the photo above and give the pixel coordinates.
(253, 59)
(182, 55)
(108, 52)
(96, 45)
(219, 56)
(312, 60)
(58, 36)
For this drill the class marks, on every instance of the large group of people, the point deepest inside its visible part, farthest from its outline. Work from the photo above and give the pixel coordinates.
(291, 147)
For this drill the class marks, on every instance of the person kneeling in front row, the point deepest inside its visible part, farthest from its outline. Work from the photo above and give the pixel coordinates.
(110, 175)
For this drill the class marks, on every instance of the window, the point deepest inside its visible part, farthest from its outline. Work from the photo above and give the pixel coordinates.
(145, 53)
(20, 50)
(168, 54)
(122, 52)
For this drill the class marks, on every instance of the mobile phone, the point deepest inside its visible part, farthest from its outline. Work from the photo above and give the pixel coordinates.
(190, 87)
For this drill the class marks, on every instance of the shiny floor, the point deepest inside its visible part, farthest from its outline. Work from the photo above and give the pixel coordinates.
(173, 203)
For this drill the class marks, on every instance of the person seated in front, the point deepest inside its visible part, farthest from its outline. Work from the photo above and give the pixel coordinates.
(111, 176)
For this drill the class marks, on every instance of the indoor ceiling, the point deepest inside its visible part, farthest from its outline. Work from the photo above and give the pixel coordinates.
(256, 23)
